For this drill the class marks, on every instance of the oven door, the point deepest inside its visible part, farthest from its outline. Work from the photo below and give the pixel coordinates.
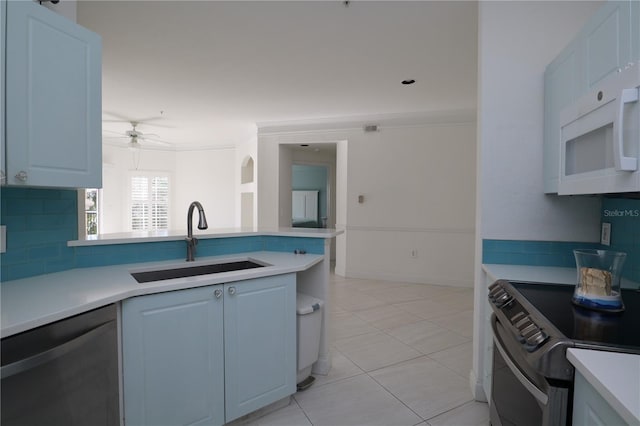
(520, 396)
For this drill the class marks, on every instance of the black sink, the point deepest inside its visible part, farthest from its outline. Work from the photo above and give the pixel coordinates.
(191, 271)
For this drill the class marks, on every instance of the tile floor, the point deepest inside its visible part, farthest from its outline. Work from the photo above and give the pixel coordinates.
(401, 355)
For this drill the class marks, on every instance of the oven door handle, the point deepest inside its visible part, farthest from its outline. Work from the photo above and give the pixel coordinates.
(533, 389)
(53, 353)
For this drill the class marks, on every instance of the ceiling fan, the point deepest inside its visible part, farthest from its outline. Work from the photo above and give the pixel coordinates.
(136, 137)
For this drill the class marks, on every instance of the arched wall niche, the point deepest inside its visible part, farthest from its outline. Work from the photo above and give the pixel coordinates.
(246, 176)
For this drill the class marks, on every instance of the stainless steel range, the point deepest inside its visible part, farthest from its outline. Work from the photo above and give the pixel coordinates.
(533, 325)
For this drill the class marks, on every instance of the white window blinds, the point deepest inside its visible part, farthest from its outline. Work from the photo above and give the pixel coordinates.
(149, 202)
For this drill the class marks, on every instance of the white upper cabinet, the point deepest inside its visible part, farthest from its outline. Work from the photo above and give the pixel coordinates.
(606, 41)
(53, 100)
(609, 41)
(635, 31)
(562, 85)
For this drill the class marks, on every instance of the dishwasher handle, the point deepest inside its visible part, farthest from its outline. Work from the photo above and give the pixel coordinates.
(54, 353)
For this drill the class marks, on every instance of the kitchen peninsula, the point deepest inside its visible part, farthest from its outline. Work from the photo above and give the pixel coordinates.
(249, 313)
(102, 265)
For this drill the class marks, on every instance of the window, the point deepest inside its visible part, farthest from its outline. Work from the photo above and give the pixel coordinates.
(149, 201)
(91, 211)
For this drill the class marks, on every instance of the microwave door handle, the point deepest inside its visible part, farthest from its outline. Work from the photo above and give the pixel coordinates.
(623, 163)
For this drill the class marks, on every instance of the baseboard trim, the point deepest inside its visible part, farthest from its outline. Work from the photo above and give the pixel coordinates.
(408, 279)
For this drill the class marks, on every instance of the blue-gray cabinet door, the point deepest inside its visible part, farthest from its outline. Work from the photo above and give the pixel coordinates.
(260, 343)
(3, 38)
(607, 41)
(635, 31)
(53, 100)
(173, 358)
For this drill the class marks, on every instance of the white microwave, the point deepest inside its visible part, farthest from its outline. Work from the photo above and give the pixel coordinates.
(600, 138)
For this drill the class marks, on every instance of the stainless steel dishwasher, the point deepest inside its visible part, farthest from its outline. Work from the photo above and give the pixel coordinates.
(64, 373)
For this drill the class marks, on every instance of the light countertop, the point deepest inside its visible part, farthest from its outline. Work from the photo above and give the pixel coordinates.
(540, 274)
(615, 376)
(174, 235)
(31, 302)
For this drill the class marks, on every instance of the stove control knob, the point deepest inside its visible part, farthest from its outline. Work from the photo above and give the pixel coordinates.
(529, 330)
(503, 299)
(494, 286)
(494, 289)
(535, 340)
(523, 323)
(517, 317)
(494, 296)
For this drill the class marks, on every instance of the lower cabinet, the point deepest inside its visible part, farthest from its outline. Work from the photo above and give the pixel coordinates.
(208, 355)
(590, 408)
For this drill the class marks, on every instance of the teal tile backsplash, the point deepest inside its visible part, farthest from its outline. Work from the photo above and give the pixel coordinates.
(624, 216)
(40, 222)
(535, 253)
(622, 213)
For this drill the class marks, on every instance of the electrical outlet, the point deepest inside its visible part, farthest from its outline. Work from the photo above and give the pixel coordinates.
(605, 234)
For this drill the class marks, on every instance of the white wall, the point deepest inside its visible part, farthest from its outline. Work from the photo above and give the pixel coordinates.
(203, 175)
(206, 176)
(516, 41)
(418, 184)
(66, 8)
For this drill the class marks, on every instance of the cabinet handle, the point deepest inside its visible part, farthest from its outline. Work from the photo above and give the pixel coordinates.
(22, 176)
(232, 290)
(217, 293)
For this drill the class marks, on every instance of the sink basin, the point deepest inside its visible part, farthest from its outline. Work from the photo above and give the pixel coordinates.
(192, 271)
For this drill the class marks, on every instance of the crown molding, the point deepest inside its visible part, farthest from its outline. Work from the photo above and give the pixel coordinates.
(461, 116)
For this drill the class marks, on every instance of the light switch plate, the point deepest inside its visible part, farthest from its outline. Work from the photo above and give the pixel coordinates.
(3, 239)
(605, 234)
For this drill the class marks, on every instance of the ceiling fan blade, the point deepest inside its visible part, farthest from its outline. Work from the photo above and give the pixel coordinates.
(113, 131)
(115, 117)
(144, 124)
(155, 141)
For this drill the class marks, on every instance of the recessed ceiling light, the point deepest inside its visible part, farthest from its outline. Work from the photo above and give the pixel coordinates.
(407, 82)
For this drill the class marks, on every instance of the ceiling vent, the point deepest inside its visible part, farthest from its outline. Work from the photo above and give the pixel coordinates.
(368, 128)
